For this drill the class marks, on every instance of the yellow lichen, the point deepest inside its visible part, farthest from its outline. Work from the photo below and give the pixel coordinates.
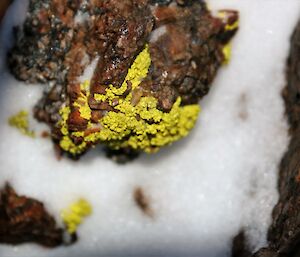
(21, 122)
(227, 53)
(64, 114)
(68, 145)
(74, 215)
(137, 72)
(228, 27)
(141, 126)
(82, 104)
(233, 26)
(66, 142)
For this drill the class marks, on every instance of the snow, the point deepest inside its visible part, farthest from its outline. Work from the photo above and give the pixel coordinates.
(202, 190)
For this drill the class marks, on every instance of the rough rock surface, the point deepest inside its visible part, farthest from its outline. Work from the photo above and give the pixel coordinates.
(284, 233)
(61, 38)
(24, 220)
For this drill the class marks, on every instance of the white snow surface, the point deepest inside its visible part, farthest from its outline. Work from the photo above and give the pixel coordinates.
(202, 190)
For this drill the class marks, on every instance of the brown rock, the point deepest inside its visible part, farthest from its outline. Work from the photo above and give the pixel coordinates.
(25, 219)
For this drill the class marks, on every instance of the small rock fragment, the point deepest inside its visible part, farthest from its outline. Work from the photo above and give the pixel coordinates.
(24, 219)
(142, 201)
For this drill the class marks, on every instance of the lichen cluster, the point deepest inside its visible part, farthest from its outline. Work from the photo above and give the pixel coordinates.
(21, 122)
(139, 125)
(74, 215)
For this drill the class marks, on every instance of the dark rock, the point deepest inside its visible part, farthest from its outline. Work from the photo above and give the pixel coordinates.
(239, 246)
(24, 219)
(284, 233)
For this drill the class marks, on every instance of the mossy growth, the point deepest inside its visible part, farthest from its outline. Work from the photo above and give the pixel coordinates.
(74, 215)
(140, 125)
(21, 122)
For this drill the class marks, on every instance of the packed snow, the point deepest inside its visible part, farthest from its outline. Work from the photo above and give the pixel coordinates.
(202, 190)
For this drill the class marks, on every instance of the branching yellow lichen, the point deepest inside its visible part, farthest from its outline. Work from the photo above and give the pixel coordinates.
(64, 114)
(82, 101)
(137, 72)
(66, 143)
(82, 104)
(141, 126)
(20, 121)
(153, 130)
(74, 215)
